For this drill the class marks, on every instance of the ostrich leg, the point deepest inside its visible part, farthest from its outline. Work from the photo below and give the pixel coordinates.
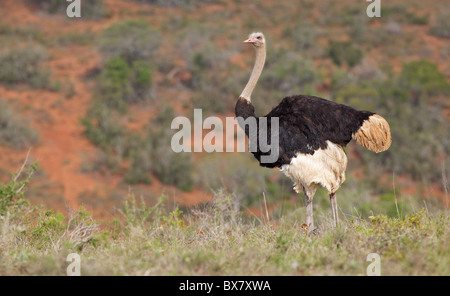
(334, 208)
(309, 211)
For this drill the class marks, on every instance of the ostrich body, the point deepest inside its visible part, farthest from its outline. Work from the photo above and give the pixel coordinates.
(312, 134)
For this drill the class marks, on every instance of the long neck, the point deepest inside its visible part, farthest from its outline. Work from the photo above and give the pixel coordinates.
(257, 69)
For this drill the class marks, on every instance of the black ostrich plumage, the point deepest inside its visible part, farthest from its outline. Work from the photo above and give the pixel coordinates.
(305, 124)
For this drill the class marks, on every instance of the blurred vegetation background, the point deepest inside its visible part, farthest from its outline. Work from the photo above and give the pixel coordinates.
(155, 60)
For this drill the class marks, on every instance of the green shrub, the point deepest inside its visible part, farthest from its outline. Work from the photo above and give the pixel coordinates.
(131, 40)
(303, 35)
(11, 194)
(24, 65)
(286, 74)
(170, 167)
(423, 77)
(213, 79)
(414, 129)
(441, 28)
(14, 130)
(289, 73)
(12, 33)
(102, 126)
(345, 53)
(120, 84)
(140, 161)
(359, 97)
(241, 175)
(416, 19)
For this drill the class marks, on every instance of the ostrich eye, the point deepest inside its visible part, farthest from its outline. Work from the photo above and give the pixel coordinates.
(259, 37)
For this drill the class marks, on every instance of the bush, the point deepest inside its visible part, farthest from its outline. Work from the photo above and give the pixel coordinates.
(345, 53)
(241, 175)
(140, 161)
(130, 40)
(414, 129)
(120, 84)
(423, 77)
(441, 28)
(170, 167)
(14, 130)
(11, 33)
(102, 127)
(215, 88)
(24, 65)
(304, 37)
(286, 74)
(11, 194)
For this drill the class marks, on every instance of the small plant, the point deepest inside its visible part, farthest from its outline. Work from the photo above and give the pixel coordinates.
(131, 40)
(120, 84)
(423, 77)
(174, 219)
(345, 53)
(14, 130)
(11, 194)
(441, 28)
(24, 65)
(170, 167)
(138, 214)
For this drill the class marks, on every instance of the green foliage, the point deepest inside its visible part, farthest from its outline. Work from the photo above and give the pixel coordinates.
(441, 27)
(146, 154)
(286, 73)
(417, 19)
(49, 225)
(15, 131)
(241, 176)
(209, 238)
(215, 88)
(304, 37)
(120, 84)
(24, 65)
(136, 214)
(11, 33)
(415, 126)
(359, 97)
(131, 40)
(102, 127)
(140, 161)
(174, 219)
(345, 52)
(74, 38)
(170, 167)
(422, 77)
(12, 193)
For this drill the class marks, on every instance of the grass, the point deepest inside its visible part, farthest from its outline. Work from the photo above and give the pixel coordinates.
(218, 239)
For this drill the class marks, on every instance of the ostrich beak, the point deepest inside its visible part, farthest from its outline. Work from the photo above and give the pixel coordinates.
(250, 40)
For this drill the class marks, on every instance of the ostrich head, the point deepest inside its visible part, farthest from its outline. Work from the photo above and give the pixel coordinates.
(256, 39)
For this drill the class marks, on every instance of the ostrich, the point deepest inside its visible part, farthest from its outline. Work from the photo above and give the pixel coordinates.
(312, 134)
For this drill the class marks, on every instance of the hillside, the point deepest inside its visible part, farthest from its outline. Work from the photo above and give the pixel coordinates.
(93, 98)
